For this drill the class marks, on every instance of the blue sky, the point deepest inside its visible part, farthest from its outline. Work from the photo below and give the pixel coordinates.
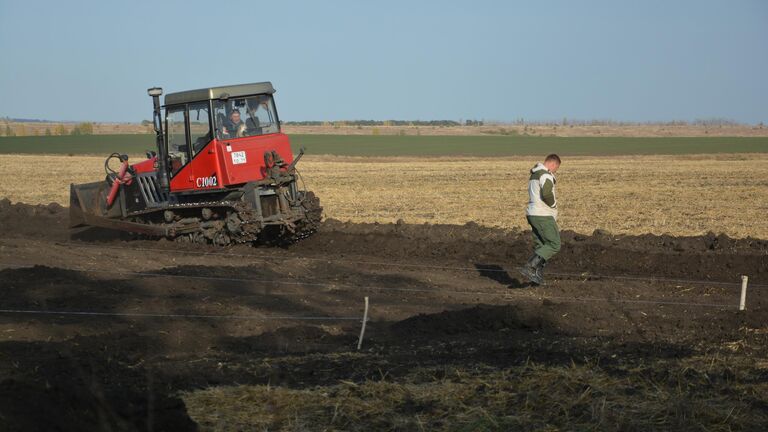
(331, 60)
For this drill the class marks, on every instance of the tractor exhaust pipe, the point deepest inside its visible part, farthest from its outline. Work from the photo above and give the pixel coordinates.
(162, 156)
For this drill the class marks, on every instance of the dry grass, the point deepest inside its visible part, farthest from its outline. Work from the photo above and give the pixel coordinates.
(680, 195)
(703, 393)
(683, 195)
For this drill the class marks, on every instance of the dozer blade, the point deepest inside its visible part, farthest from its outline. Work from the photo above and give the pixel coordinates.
(87, 208)
(83, 201)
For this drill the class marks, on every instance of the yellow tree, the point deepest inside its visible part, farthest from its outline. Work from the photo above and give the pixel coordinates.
(86, 128)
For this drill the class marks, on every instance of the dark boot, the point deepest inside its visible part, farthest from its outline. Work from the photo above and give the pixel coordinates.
(530, 270)
(540, 272)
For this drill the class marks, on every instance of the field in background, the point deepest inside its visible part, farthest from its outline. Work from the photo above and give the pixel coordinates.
(564, 128)
(395, 145)
(682, 195)
(598, 129)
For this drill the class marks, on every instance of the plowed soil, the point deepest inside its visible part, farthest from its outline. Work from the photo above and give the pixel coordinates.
(100, 332)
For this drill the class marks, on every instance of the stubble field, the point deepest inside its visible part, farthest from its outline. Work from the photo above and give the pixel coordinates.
(678, 195)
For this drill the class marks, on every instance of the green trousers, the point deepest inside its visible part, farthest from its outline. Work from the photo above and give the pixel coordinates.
(546, 236)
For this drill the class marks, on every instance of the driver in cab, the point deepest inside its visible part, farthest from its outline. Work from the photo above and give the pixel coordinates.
(233, 126)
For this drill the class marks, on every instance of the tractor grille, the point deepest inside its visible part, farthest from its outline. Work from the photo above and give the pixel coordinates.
(150, 190)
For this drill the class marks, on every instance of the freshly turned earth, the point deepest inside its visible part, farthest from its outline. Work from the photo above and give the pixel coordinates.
(440, 295)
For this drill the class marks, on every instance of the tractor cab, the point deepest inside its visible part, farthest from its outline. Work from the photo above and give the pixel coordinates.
(217, 137)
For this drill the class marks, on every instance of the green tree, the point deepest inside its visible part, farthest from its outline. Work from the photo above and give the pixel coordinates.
(8, 131)
(61, 129)
(47, 131)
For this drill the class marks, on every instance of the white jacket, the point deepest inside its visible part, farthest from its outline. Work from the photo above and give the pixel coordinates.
(542, 200)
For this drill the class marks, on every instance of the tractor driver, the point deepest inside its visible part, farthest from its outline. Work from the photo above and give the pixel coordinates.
(233, 125)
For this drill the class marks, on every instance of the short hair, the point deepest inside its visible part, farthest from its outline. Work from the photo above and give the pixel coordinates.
(552, 157)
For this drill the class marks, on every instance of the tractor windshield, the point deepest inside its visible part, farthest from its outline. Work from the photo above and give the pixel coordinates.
(245, 116)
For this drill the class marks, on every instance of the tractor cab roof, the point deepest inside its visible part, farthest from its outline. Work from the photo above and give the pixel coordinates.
(223, 92)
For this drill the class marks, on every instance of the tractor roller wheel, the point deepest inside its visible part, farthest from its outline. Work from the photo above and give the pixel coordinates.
(313, 214)
(221, 238)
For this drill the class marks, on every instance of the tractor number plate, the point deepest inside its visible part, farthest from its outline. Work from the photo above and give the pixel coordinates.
(238, 157)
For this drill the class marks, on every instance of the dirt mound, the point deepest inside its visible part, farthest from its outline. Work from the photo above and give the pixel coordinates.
(51, 219)
(466, 321)
(696, 244)
(221, 273)
(41, 274)
(709, 257)
(35, 221)
(474, 233)
(289, 340)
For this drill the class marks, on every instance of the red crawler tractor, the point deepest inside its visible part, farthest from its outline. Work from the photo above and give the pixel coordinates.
(223, 173)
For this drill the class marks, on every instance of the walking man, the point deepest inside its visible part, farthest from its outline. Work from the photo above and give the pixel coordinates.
(542, 216)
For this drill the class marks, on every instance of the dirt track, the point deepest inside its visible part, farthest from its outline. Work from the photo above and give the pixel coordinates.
(441, 296)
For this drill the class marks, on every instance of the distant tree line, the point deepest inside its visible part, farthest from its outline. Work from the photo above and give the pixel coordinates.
(20, 120)
(711, 122)
(84, 128)
(607, 122)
